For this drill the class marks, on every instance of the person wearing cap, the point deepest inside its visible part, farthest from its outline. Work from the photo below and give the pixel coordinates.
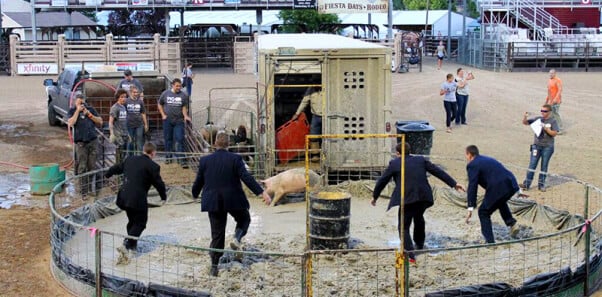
(129, 80)
(84, 119)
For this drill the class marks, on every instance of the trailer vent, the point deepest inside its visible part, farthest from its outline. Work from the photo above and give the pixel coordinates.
(353, 125)
(353, 80)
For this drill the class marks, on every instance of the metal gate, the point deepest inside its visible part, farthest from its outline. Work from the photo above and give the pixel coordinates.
(209, 52)
(5, 56)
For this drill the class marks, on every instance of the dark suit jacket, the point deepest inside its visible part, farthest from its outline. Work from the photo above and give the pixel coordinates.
(490, 174)
(417, 187)
(219, 177)
(140, 172)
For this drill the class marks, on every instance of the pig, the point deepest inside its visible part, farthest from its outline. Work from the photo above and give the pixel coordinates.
(289, 181)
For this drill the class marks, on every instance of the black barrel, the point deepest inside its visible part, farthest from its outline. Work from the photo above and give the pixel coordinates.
(329, 220)
(419, 136)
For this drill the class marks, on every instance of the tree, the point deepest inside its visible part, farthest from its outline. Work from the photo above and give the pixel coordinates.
(421, 4)
(90, 13)
(308, 20)
(137, 22)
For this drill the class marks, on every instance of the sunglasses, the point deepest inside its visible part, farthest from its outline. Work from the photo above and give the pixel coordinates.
(543, 110)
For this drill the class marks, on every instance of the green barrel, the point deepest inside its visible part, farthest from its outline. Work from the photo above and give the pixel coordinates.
(43, 178)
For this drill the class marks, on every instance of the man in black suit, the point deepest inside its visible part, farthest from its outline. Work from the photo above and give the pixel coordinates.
(499, 184)
(418, 195)
(219, 177)
(140, 172)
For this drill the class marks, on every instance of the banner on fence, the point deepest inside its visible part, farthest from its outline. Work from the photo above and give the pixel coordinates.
(37, 68)
(101, 67)
(58, 3)
(352, 6)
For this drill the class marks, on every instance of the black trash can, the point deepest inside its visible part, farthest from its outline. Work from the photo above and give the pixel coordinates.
(419, 136)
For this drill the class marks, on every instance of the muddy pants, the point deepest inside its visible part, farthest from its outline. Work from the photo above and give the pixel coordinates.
(218, 220)
(85, 161)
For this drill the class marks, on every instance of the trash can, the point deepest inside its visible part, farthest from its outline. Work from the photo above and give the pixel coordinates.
(400, 124)
(419, 136)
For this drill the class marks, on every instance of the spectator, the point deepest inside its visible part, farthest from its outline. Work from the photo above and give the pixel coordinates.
(118, 125)
(187, 78)
(462, 95)
(173, 107)
(84, 119)
(137, 123)
(128, 81)
(448, 90)
(542, 147)
(554, 98)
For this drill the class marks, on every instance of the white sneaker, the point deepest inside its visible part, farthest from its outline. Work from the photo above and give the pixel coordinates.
(514, 230)
(235, 244)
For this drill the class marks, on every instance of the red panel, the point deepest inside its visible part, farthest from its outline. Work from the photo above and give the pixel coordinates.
(590, 16)
(291, 136)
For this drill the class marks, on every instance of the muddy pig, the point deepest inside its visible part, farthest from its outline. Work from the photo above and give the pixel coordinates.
(290, 181)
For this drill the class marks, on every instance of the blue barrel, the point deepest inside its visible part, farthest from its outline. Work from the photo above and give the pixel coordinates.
(43, 178)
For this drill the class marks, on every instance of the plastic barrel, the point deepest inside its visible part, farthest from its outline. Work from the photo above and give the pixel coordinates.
(400, 124)
(43, 178)
(419, 136)
(329, 220)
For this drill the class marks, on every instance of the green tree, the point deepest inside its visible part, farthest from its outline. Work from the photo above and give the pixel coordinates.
(471, 9)
(308, 20)
(90, 13)
(421, 4)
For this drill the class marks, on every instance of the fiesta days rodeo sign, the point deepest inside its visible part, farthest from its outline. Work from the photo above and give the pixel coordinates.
(352, 6)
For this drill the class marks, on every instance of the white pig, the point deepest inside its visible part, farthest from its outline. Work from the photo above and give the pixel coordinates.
(290, 181)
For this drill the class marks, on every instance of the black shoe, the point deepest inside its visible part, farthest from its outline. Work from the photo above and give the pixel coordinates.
(542, 189)
(168, 161)
(213, 271)
(184, 165)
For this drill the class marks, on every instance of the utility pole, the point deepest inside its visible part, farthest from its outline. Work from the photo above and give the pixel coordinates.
(34, 30)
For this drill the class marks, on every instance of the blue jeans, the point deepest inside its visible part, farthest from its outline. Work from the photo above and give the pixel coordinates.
(137, 135)
(189, 90)
(450, 112)
(461, 114)
(543, 153)
(173, 132)
(315, 127)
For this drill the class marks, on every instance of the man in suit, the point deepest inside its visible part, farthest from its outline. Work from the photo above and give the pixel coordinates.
(140, 172)
(418, 195)
(219, 177)
(499, 184)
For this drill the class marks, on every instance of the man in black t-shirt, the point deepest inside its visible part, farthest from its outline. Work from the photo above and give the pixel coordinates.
(84, 119)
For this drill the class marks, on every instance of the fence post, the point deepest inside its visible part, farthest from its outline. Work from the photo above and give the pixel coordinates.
(157, 52)
(109, 46)
(98, 262)
(587, 241)
(307, 290)
(14, 40)
(60, 46)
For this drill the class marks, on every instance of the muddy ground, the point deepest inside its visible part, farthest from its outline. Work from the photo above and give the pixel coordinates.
(496, 105)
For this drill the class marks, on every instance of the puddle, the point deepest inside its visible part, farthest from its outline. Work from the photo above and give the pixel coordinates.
(14, 190)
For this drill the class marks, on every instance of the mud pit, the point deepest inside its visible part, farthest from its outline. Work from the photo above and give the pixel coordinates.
(495, 107)
(281, 229)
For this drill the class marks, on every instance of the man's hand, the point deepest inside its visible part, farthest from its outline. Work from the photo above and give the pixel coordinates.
(113, 138)
(295, 116)
(145, 128)
(266, 198)
(373, 202)
(459, 187)
(468, 216)
(164, 116)
(187, 119)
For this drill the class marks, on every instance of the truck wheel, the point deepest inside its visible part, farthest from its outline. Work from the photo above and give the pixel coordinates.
(52, 116)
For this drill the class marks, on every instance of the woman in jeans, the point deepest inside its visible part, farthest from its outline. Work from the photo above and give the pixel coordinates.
(448, 91)
(462, 95)
(136, 120)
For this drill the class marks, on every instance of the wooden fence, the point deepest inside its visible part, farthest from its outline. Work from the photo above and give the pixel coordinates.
(49, 57)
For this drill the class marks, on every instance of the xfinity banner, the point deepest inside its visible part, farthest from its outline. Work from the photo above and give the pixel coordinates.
(352, 6)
